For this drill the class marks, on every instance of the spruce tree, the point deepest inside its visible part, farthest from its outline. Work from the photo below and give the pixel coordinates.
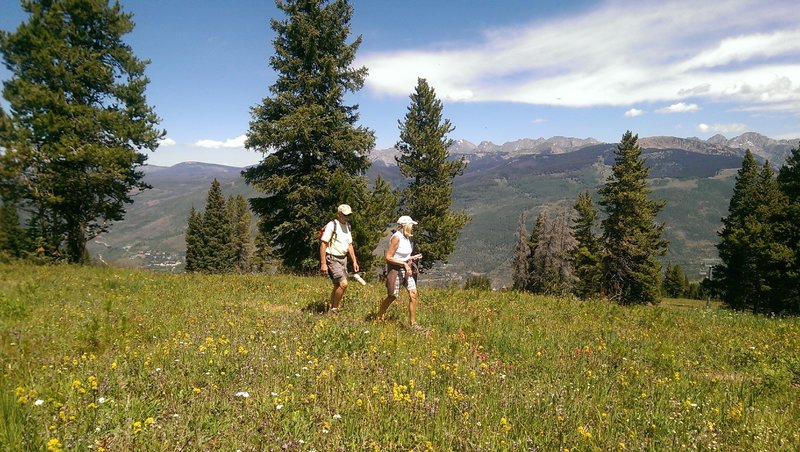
(262, 255)
(216, 232)
(194, 242)
(789, 184)
(551, 272)
(522, 253)
(773, 257)
(307, 133)
(631, 237)
(586, 256)
(241, 223)
(737, 276)
(675, 283)
(12, 237)
(424, 160)
(369, 224)
(536, 264)
(78, 120)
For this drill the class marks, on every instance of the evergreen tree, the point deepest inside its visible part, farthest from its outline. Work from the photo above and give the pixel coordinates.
(194, 242)
(241, 222)
(631, 237)
(775, 256)
(216, 232)
(370, 222)
(552, 271)
(675, 283)
(78, 120)
(789, 184)
(522, 253)
(755, 256)
(586, 256)
(307, 132)
(262, 255)
(12, 236)
(424, 159)
(536, 277)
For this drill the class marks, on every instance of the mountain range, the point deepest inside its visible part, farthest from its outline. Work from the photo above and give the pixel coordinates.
(694, 176)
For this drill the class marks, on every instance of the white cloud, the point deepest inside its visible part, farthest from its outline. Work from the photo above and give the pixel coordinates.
(634, 112)
(618, 54)
(539, 121)
(166, 142)
(237, 142)
(680, 107)
(722, 128)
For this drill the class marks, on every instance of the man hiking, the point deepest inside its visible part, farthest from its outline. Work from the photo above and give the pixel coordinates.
(336, 244)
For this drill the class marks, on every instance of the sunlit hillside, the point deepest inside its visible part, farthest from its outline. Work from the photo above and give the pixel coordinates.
(114, 359)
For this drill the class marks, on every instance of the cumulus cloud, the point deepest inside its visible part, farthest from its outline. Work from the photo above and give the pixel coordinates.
(616, 54)
(722, 128)
(166, 142)
(634, 112)
(237, 142)
(680, 107)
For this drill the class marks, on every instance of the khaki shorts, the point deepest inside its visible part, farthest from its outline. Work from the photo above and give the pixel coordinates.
(396, 278)
(337, 267)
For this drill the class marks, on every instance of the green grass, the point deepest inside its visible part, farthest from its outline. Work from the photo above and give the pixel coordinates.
(131, 360)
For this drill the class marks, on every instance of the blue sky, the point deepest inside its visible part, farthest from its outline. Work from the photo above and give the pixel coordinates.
(504, 69)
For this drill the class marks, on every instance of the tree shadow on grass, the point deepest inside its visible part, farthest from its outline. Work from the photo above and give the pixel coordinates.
(316, 307)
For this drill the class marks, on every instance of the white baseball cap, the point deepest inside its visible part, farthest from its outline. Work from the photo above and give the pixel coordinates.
(345, 209)
(405, 219)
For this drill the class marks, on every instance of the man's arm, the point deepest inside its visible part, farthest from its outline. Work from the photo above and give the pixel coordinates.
(352, 253)
(323, 263)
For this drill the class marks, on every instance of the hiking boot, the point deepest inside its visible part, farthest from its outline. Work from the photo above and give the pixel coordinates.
(418, 328)
(333, 310)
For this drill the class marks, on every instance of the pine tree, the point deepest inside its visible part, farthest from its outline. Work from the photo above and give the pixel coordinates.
(12, 237)
(536, 276)
(262, 255)
(241, 223)
(424, 159)
(78, 121)
(370, 222)
(631, 237)
(216, 232)
(522, 252)
(789, 184)
(675, 283)
(586, 255)
(772, 256)
(737, 276)
(194, 242)
(307, 133)
(551, 271)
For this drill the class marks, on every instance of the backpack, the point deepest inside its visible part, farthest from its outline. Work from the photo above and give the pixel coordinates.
(333, 235)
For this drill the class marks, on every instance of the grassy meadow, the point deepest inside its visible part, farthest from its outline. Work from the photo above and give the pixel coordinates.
(118, 359)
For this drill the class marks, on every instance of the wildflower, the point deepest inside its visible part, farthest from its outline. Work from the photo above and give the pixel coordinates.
(91, 406)
(136, 427)
(101, 400)
(38, 402)
(505, 425)
(584, 432)
(54, 445)
(337, 416)
(279, 406)
(197, 390)
(359, 402)
(242, 394)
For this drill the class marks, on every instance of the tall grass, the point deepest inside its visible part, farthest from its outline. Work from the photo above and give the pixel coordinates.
(113, 359)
